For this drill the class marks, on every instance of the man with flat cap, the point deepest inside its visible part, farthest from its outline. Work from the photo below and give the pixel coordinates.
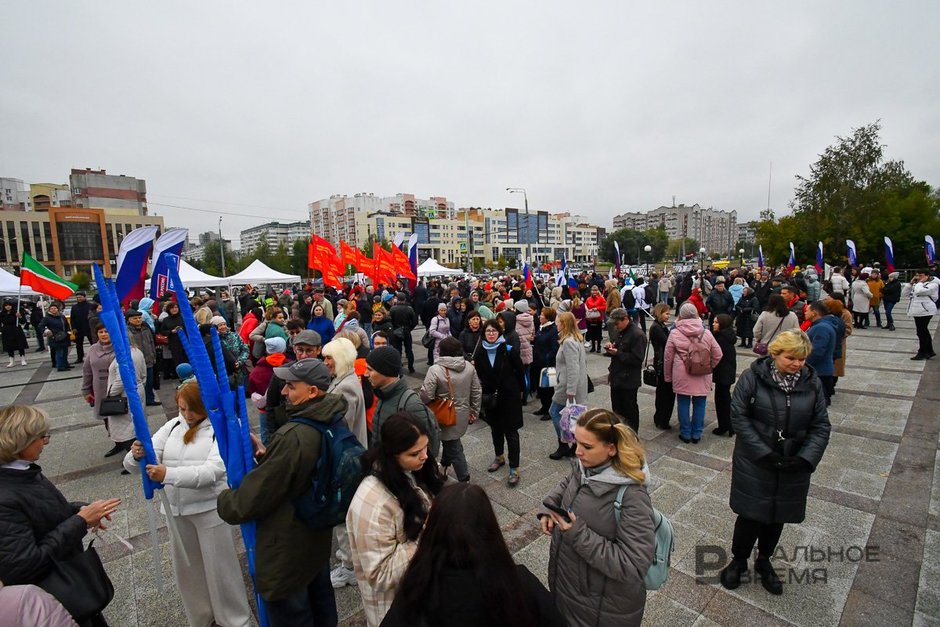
(306, 345)
(292, 559)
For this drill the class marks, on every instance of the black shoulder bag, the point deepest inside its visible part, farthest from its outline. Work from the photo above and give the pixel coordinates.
(80, 584)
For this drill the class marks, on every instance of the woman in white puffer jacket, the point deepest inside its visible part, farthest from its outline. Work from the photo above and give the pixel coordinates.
(193, 475)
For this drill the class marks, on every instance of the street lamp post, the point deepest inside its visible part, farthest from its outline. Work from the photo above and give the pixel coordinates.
(701, 256)
(741, 252)
(647, 249)
(222, 246)
(521, 190)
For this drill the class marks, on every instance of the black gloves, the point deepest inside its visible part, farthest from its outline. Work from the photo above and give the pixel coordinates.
(776, 461)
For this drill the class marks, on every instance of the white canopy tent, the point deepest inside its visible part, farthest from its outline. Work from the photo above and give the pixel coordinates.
(257, 272)
(195, 278)
(430, 267)
(10, 285)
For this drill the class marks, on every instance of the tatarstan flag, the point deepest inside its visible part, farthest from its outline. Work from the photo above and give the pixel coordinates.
(37, 276)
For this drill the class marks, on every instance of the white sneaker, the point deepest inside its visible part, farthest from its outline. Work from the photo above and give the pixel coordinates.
(342, 576)
(22, 361)
(10, 365)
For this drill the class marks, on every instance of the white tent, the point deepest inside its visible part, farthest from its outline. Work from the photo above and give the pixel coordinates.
(10, 285)
(430, 267)
(195, 278)
(257, 272)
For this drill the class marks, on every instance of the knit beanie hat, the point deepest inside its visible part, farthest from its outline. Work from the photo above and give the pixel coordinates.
(385, 360)
(275, 345)
(522, 306)
(217, 320)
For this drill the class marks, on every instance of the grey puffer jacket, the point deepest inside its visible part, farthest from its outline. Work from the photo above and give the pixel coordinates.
(596, 568)
(467, 392)
(571, 367)
(760, 409)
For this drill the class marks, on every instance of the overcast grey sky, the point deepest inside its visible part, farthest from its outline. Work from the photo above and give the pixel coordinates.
(594, 107)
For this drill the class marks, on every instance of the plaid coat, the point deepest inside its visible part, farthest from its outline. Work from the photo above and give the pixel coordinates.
(380, 550)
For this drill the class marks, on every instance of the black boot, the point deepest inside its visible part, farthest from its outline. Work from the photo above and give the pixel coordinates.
(891, 327)
(732, 573)
(117, 448)
(768, 576)
(560, 452)
(572, 448)
(750, 343)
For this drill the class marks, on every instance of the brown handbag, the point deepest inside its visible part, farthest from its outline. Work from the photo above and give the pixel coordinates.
(444, 408)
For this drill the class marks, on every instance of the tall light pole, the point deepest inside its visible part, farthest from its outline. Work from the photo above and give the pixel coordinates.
(222, 246)
(647, 249)
(741, 252)
(521, 190)
(701, 256)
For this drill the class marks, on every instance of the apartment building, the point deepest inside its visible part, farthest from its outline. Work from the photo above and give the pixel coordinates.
(714, 229)
(275, 233)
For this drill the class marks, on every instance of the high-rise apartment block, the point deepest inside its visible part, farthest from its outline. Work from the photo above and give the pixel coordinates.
(714, 229)
(114, 194)
(275, 233)
(335, 218)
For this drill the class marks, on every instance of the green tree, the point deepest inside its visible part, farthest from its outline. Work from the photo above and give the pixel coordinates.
(369, 245)
(298, 257)
(853, 192)
(281, 259)
(262, 251)
(211, 262)
(632, 243)
(81, 279)
(675, 248)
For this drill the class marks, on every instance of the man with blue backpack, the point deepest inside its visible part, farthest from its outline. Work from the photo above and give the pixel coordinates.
(293, 551)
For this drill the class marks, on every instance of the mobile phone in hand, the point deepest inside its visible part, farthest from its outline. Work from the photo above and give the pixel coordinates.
(561, 512)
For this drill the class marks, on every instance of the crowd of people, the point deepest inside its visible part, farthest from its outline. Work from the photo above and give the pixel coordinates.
(419, 540)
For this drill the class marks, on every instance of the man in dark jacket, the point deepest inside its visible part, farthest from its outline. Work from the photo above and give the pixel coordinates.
(404, 321)
(794, 304)
(719, 301)
(823, 336)
(626, 362)
(292, 559)
(144, 338)
(383, 368)
(79, 319)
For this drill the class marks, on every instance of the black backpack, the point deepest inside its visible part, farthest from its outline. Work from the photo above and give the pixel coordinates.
(337, 475)
(650, 292)
(629, 302)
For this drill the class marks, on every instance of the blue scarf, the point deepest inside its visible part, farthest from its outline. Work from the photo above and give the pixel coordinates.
(491, 349)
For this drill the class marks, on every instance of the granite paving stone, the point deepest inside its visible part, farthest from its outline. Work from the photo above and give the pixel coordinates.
(878, 484)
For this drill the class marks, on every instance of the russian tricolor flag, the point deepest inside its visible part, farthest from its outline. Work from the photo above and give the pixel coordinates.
(819, 259)
(760, 256)
(132, 263)
(930, 250)
(170, 242)
(853, 257)
(617, 257)
(413, 253)
(791, 263)
(527, 275)
(889, 254)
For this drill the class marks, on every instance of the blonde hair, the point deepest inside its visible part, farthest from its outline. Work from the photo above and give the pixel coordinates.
(608, 427)
(343, 353)
(350, 335)
(793, 341)
(189, 393)
(567, 327)
(659, 309)
(20, 425)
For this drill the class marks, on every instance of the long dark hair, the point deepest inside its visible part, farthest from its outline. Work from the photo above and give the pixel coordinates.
(400, 432)
(462, 533)
(777, 305)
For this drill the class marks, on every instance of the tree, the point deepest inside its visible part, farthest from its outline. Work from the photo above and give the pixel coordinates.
(675, 248)
(281, 259)
(852, 192)
(367, 248)
(632, 243)
(298, 257)
(81, 279)
(211, 262)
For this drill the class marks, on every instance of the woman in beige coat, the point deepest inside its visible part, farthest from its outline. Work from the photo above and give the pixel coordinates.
(388, 512)
(454, 377)
(774, 320)
(837, 308)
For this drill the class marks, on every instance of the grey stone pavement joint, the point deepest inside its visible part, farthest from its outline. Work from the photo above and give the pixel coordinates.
(878, 485)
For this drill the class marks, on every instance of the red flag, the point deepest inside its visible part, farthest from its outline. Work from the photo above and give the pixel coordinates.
(385, 265)
(322, 256)
(402, 264)
(351, 256)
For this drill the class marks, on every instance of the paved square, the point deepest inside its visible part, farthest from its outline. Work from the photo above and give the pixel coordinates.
(877, 486)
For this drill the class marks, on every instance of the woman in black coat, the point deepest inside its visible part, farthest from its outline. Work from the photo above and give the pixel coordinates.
(14, 340)
(544, 350)
(502, 376)
(55, 327)
(172, 326)
(38, 526)
(723, 375)
(665, 395)
(746, 310)
(471, 334)
(779, 415)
